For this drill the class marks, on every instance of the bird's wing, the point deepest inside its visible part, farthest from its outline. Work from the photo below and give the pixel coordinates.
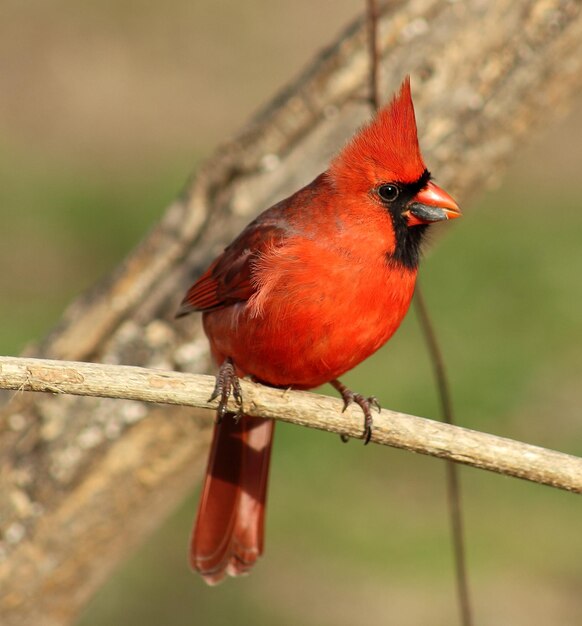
(228, 280)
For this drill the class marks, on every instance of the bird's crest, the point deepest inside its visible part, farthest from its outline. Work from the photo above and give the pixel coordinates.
(385, 150)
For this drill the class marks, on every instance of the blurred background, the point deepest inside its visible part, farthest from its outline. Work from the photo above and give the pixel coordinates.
(105, 110)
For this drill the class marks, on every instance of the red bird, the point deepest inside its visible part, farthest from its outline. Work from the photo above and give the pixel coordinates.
(309, 289)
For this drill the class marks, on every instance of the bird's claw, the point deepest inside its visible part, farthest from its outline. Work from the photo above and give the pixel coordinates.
(375, 403)
(227, 384)
(366, 404)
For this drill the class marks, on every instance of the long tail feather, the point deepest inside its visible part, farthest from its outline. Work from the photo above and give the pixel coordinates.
(229, 529)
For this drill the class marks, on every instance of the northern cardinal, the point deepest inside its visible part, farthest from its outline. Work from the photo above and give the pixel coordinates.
(309, 289)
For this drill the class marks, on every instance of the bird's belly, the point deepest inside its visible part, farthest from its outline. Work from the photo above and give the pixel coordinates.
(305, 342)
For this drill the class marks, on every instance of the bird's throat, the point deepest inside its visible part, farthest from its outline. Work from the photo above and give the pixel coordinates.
(408, 242)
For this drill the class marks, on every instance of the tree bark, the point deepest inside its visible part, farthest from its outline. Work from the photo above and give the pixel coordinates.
(86, 479)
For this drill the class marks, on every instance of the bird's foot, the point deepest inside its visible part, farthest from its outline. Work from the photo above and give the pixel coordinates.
(226, 384)
(366, 404)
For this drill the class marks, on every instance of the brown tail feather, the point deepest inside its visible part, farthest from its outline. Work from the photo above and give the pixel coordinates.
(228, 534)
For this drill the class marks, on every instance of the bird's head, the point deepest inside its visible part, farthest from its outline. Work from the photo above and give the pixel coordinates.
(383, 163)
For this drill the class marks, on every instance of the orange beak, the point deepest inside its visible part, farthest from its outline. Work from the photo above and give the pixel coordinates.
(431, 204)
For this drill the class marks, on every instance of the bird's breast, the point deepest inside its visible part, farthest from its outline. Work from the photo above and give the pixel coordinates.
(317, 312)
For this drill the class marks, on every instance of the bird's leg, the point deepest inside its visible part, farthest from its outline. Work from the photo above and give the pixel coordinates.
(366, 404)
(227, 383)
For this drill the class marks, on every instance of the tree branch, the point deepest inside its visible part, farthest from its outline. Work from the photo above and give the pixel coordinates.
(417, 434)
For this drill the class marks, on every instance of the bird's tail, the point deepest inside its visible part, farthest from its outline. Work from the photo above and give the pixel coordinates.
(229, 529)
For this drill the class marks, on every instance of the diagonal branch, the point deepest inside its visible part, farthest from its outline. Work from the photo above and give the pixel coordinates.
(399, 430)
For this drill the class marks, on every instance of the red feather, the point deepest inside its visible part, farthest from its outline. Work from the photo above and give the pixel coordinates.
(385, 150)
(233, 500)
(228, 280)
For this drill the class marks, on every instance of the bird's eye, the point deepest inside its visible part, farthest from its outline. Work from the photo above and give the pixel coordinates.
(388, 192)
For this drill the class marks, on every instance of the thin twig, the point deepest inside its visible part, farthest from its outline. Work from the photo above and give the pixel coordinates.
(437, 360)
(452, 471)
(374, 54)
(408, 432)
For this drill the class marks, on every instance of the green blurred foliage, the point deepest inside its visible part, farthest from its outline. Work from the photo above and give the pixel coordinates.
(356, 535)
